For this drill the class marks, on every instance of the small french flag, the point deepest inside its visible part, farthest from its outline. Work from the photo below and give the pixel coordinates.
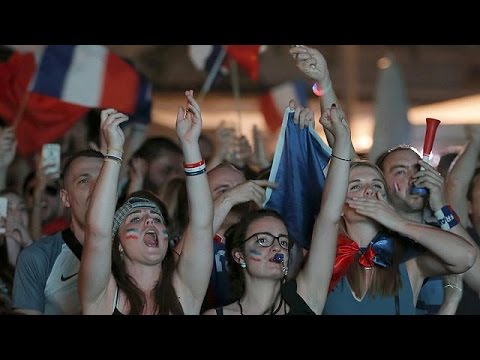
(204, 56)
(273, 103)
(86, 75)
(45, 90)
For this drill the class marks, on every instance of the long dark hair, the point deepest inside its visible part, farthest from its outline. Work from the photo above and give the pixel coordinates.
(235, 238)
(166, 300)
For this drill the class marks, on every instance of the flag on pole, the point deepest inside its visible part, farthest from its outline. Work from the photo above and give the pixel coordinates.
(272, 103)
(86, 75)
(391, 121)
(54, 86)
(203, 57)
(298, 168)
(247, 58)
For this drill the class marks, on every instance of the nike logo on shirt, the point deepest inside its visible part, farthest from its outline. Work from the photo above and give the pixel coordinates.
(65, 278)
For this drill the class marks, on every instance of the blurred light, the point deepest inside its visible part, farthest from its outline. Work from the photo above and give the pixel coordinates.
(361, 126)
(465, 110)
(384, 63)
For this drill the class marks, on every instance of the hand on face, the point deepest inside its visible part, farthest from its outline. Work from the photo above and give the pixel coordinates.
(376, 208)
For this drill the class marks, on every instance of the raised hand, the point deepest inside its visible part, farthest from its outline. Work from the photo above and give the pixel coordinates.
(311, 62)
(189, 121)
(259, 156)
(333, 120)
(225, 137)
(8, 146)
(303, 116)
(434, 182)
(110, 120)
(252, 190)
(137, 171)
(18, 232)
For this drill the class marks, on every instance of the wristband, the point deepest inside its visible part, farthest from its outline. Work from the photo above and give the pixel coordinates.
(319, 91)
(447, 217)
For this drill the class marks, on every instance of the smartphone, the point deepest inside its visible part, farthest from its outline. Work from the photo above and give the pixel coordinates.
(51, 156)
(3, 212)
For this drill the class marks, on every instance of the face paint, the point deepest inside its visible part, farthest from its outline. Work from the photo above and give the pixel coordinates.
(132, 234)
(254, 254)
(397, 187)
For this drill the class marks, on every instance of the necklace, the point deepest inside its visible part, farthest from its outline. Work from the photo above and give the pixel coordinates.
(271, 310)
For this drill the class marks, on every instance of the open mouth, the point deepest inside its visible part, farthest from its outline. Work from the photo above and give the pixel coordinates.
(150, 238)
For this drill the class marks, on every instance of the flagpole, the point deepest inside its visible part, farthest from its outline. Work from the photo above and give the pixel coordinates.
(21, 110)
(236, 93)
(212, 75)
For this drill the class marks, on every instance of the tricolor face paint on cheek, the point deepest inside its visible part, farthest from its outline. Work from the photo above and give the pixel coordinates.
(397, 187)
(165, 233)
(254, 253)
(132, 234)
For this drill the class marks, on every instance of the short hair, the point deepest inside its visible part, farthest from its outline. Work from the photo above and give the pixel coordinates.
(88, 153)
(153, 148)
(381, 159)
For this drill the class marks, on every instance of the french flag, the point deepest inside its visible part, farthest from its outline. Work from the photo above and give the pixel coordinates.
(298, 168)
(273, 102)
(86, 75)
(204, 56)
(43, 93)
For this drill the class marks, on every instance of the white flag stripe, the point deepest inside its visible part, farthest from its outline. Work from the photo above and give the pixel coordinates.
(84, 78)
(282, 94)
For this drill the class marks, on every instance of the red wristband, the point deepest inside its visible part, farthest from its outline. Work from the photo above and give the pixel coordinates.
(194, 165)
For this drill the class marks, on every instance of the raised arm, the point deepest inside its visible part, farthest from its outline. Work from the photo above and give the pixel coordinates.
(194, 267)
(457, 184)
(8, 147)
(461, 173)
(313, 64)
(314, 279)
(95, 268)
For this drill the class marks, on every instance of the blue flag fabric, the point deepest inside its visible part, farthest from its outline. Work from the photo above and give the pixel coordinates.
(298, 168)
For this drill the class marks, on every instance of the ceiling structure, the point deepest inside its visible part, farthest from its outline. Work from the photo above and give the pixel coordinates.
(432, 72)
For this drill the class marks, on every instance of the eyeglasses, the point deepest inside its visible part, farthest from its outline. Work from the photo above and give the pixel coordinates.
(266, 239)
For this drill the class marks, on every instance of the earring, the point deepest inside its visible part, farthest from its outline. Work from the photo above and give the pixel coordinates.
(285, 271)
(243, 265)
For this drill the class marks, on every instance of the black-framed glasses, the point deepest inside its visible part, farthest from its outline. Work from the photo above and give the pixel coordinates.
(265, 239)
